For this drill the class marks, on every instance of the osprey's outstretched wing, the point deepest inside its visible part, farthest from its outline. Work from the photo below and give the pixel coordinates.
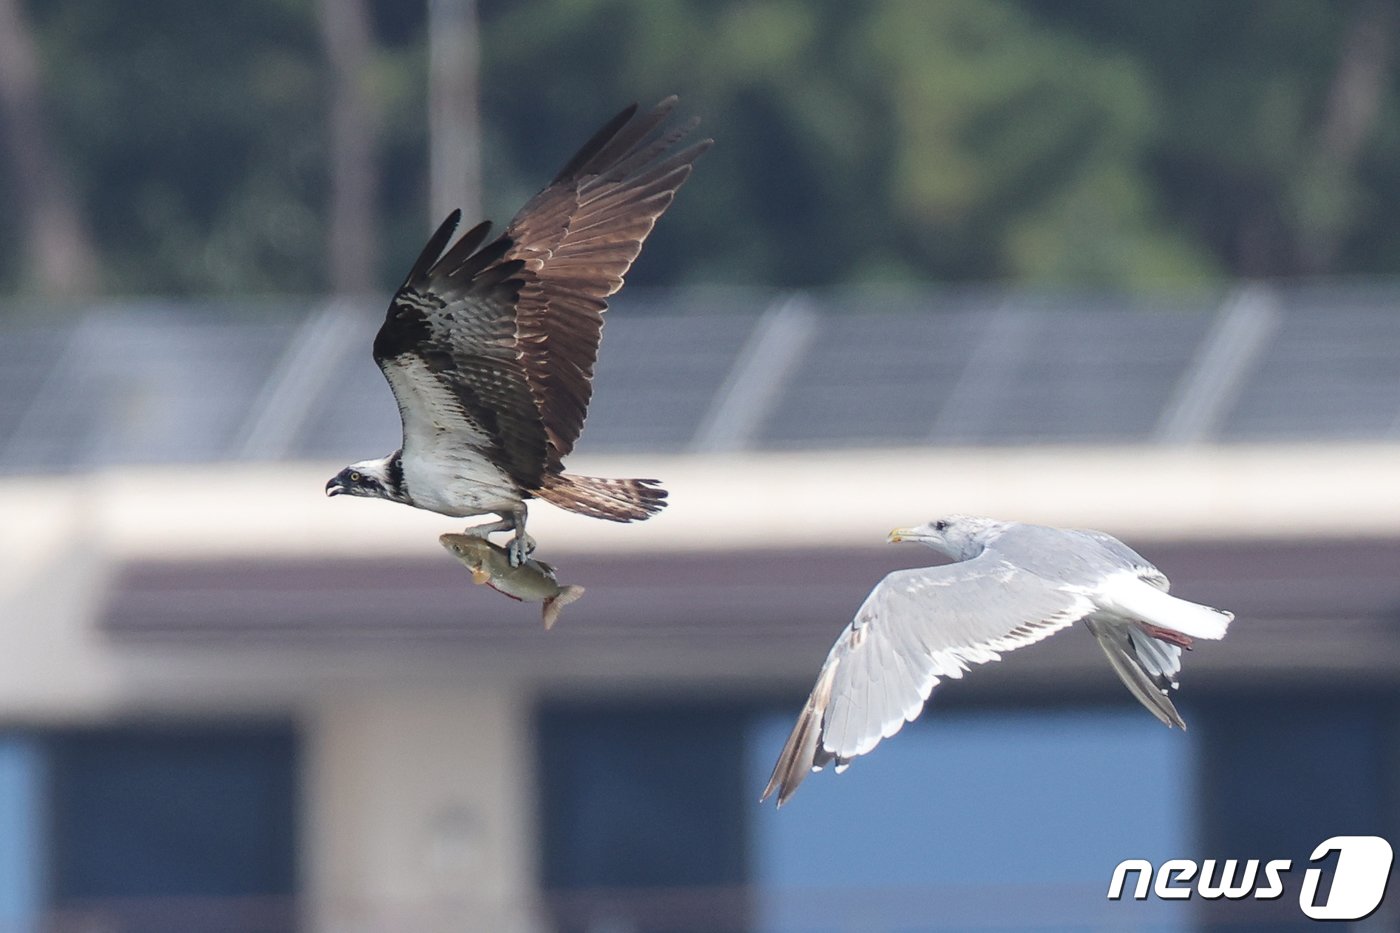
(577, 239)
(490, 349)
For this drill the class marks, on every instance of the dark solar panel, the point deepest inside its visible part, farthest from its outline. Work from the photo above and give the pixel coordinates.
(28, 359)
(173, 389)
(140, 384)
(134, 386)
(1327, 374)
(354, 418)
(871, 379)
(352, 415)
(1088, 376)
(657, 376)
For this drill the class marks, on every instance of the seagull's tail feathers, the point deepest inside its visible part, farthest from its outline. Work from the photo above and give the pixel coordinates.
(1146, 666)
(1132, 598)
(802, 753)
(617, 500)
(1161, 659)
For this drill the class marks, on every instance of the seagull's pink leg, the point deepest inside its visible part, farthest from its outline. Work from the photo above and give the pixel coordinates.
(1167, 635)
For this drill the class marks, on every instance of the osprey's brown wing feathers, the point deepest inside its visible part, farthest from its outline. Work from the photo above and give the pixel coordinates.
(577, 239)
(492, 347)
(447, 348)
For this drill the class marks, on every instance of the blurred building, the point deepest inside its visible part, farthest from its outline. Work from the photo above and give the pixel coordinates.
(232, 704)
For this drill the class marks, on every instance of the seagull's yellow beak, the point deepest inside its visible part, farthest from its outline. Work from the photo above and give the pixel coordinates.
(900, 534)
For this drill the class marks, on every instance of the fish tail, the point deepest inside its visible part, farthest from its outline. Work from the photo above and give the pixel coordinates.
(557, 602)
(617, 500)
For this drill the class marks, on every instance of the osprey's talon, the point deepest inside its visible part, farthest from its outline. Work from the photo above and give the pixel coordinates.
(521, 547)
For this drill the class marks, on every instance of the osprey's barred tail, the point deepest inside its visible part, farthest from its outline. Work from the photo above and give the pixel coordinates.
(617, 500)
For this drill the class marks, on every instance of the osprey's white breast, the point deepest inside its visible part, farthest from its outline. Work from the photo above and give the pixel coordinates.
(458, 485)
(447, 467)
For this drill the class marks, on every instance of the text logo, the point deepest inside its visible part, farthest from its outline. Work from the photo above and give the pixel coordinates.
(1359, 878)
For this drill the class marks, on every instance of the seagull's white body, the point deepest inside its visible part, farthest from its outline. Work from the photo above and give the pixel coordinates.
(1011, 585)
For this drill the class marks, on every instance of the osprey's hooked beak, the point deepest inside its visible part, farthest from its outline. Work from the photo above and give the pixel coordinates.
(335, 487)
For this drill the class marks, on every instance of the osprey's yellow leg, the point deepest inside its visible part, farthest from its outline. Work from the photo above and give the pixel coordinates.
(521, 546)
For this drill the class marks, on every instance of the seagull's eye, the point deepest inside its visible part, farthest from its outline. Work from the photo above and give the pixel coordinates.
(354, 477)
(940, 525)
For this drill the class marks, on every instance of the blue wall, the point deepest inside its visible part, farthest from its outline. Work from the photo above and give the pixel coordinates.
(21, 833)
(986, 820)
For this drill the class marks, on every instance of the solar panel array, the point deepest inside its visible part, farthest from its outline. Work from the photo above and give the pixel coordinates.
(717, 370)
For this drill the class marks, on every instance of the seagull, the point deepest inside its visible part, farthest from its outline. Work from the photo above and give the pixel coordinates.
(489, 347)
(1012, 584)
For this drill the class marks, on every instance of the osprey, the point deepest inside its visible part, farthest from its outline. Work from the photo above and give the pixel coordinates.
(489, 349)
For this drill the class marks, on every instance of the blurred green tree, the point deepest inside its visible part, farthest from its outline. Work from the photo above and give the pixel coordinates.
(196, 137)
(1087, 142)
(896, 140)
(1275, 125)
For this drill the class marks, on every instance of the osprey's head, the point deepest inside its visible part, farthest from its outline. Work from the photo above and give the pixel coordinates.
(959, 536)
(376, 479)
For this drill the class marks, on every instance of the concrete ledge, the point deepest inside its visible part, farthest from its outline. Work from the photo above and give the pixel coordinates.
(770, 500)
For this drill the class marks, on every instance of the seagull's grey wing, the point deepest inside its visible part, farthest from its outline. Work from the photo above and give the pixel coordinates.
(1147, 665)
(1128, 557)
(915, 628)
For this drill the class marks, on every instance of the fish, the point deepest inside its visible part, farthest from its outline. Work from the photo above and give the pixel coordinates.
(532, 581)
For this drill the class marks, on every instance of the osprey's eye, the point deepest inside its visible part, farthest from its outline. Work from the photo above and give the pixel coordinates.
(354, 477)
(940, 525)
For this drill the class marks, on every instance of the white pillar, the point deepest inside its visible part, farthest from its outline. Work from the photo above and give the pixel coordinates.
(419, 812)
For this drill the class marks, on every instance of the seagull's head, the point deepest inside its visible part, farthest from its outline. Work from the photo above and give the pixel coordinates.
(375, 479)
(959, 536)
